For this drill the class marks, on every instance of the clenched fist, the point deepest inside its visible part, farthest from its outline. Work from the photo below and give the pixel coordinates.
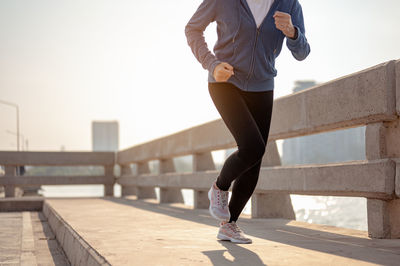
(222, 72)
(283, 22)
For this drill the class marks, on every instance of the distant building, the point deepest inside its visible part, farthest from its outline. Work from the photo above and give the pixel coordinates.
(333, 146)
(303, 84)
(105, 136)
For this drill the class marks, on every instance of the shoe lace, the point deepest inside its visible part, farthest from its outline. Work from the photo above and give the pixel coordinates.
(224, 198)
(235, 228)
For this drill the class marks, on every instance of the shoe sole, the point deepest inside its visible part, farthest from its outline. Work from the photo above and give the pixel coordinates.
(224, 237)
(212, 213)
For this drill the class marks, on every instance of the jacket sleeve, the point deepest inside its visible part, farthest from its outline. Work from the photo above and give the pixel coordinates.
(299, 47)
(204, 15)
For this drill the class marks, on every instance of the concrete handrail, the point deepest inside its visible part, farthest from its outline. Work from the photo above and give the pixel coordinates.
(371, 179)
(367, 96)
(11, 159)
(370, 97)
(56, 158)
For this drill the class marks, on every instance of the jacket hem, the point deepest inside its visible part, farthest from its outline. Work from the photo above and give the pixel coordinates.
(251, 85)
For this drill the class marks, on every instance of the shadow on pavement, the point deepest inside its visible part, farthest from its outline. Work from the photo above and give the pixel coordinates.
(379, 251)
(241, 256)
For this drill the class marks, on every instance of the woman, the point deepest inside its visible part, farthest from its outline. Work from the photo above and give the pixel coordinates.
(241, 83)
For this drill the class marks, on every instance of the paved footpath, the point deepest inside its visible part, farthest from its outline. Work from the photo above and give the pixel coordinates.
(10, 238)
(126, 231)
(26, 239)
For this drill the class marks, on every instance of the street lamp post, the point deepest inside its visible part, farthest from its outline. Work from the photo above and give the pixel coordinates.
(16, 107)
(21, 135)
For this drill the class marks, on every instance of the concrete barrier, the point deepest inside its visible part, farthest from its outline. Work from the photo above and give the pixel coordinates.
(372, 179)
(55, 180)
(370, 98)
(12, 182)
(56, 158)
(21, 204)
(354, 100)
(78, 251)
(357, 99)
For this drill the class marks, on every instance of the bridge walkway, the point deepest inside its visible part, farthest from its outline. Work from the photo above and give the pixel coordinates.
(126, 231)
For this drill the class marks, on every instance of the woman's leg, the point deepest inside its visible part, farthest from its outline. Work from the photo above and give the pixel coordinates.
(247, 116)
(240, 122)
(260, 105)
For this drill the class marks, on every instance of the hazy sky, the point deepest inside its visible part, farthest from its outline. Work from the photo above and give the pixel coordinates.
(66, 63)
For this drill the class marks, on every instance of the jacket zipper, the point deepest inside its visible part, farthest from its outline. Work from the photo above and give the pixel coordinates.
(258, 32)
(233, 40)
(253, 57)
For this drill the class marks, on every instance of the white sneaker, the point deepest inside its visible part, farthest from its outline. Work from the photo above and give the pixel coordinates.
(218, 203)
(231, 231)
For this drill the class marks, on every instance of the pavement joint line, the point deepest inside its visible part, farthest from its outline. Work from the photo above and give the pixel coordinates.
(27, 244)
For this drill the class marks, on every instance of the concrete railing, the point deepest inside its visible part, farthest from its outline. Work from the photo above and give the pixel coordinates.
(370, 97)
(11, 160)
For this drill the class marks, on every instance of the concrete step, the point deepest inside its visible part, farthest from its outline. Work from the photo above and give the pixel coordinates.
(26, 239)
(126, 231)
(20, 204)
(47, 249)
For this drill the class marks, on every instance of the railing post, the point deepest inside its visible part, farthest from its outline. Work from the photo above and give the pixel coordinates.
(10, 171)
(144, 192)
(126, 170)
(382, 140)
(168, 195)
(271, 205)
(202, 162)
(109, 187)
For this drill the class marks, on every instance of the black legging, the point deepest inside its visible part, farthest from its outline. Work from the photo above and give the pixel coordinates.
(247, 116)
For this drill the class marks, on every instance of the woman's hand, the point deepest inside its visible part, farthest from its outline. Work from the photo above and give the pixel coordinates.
(283, 22)
(222, 72)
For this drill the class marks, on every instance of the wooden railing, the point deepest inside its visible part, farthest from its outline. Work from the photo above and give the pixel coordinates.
(11, 160)
(368, 98)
